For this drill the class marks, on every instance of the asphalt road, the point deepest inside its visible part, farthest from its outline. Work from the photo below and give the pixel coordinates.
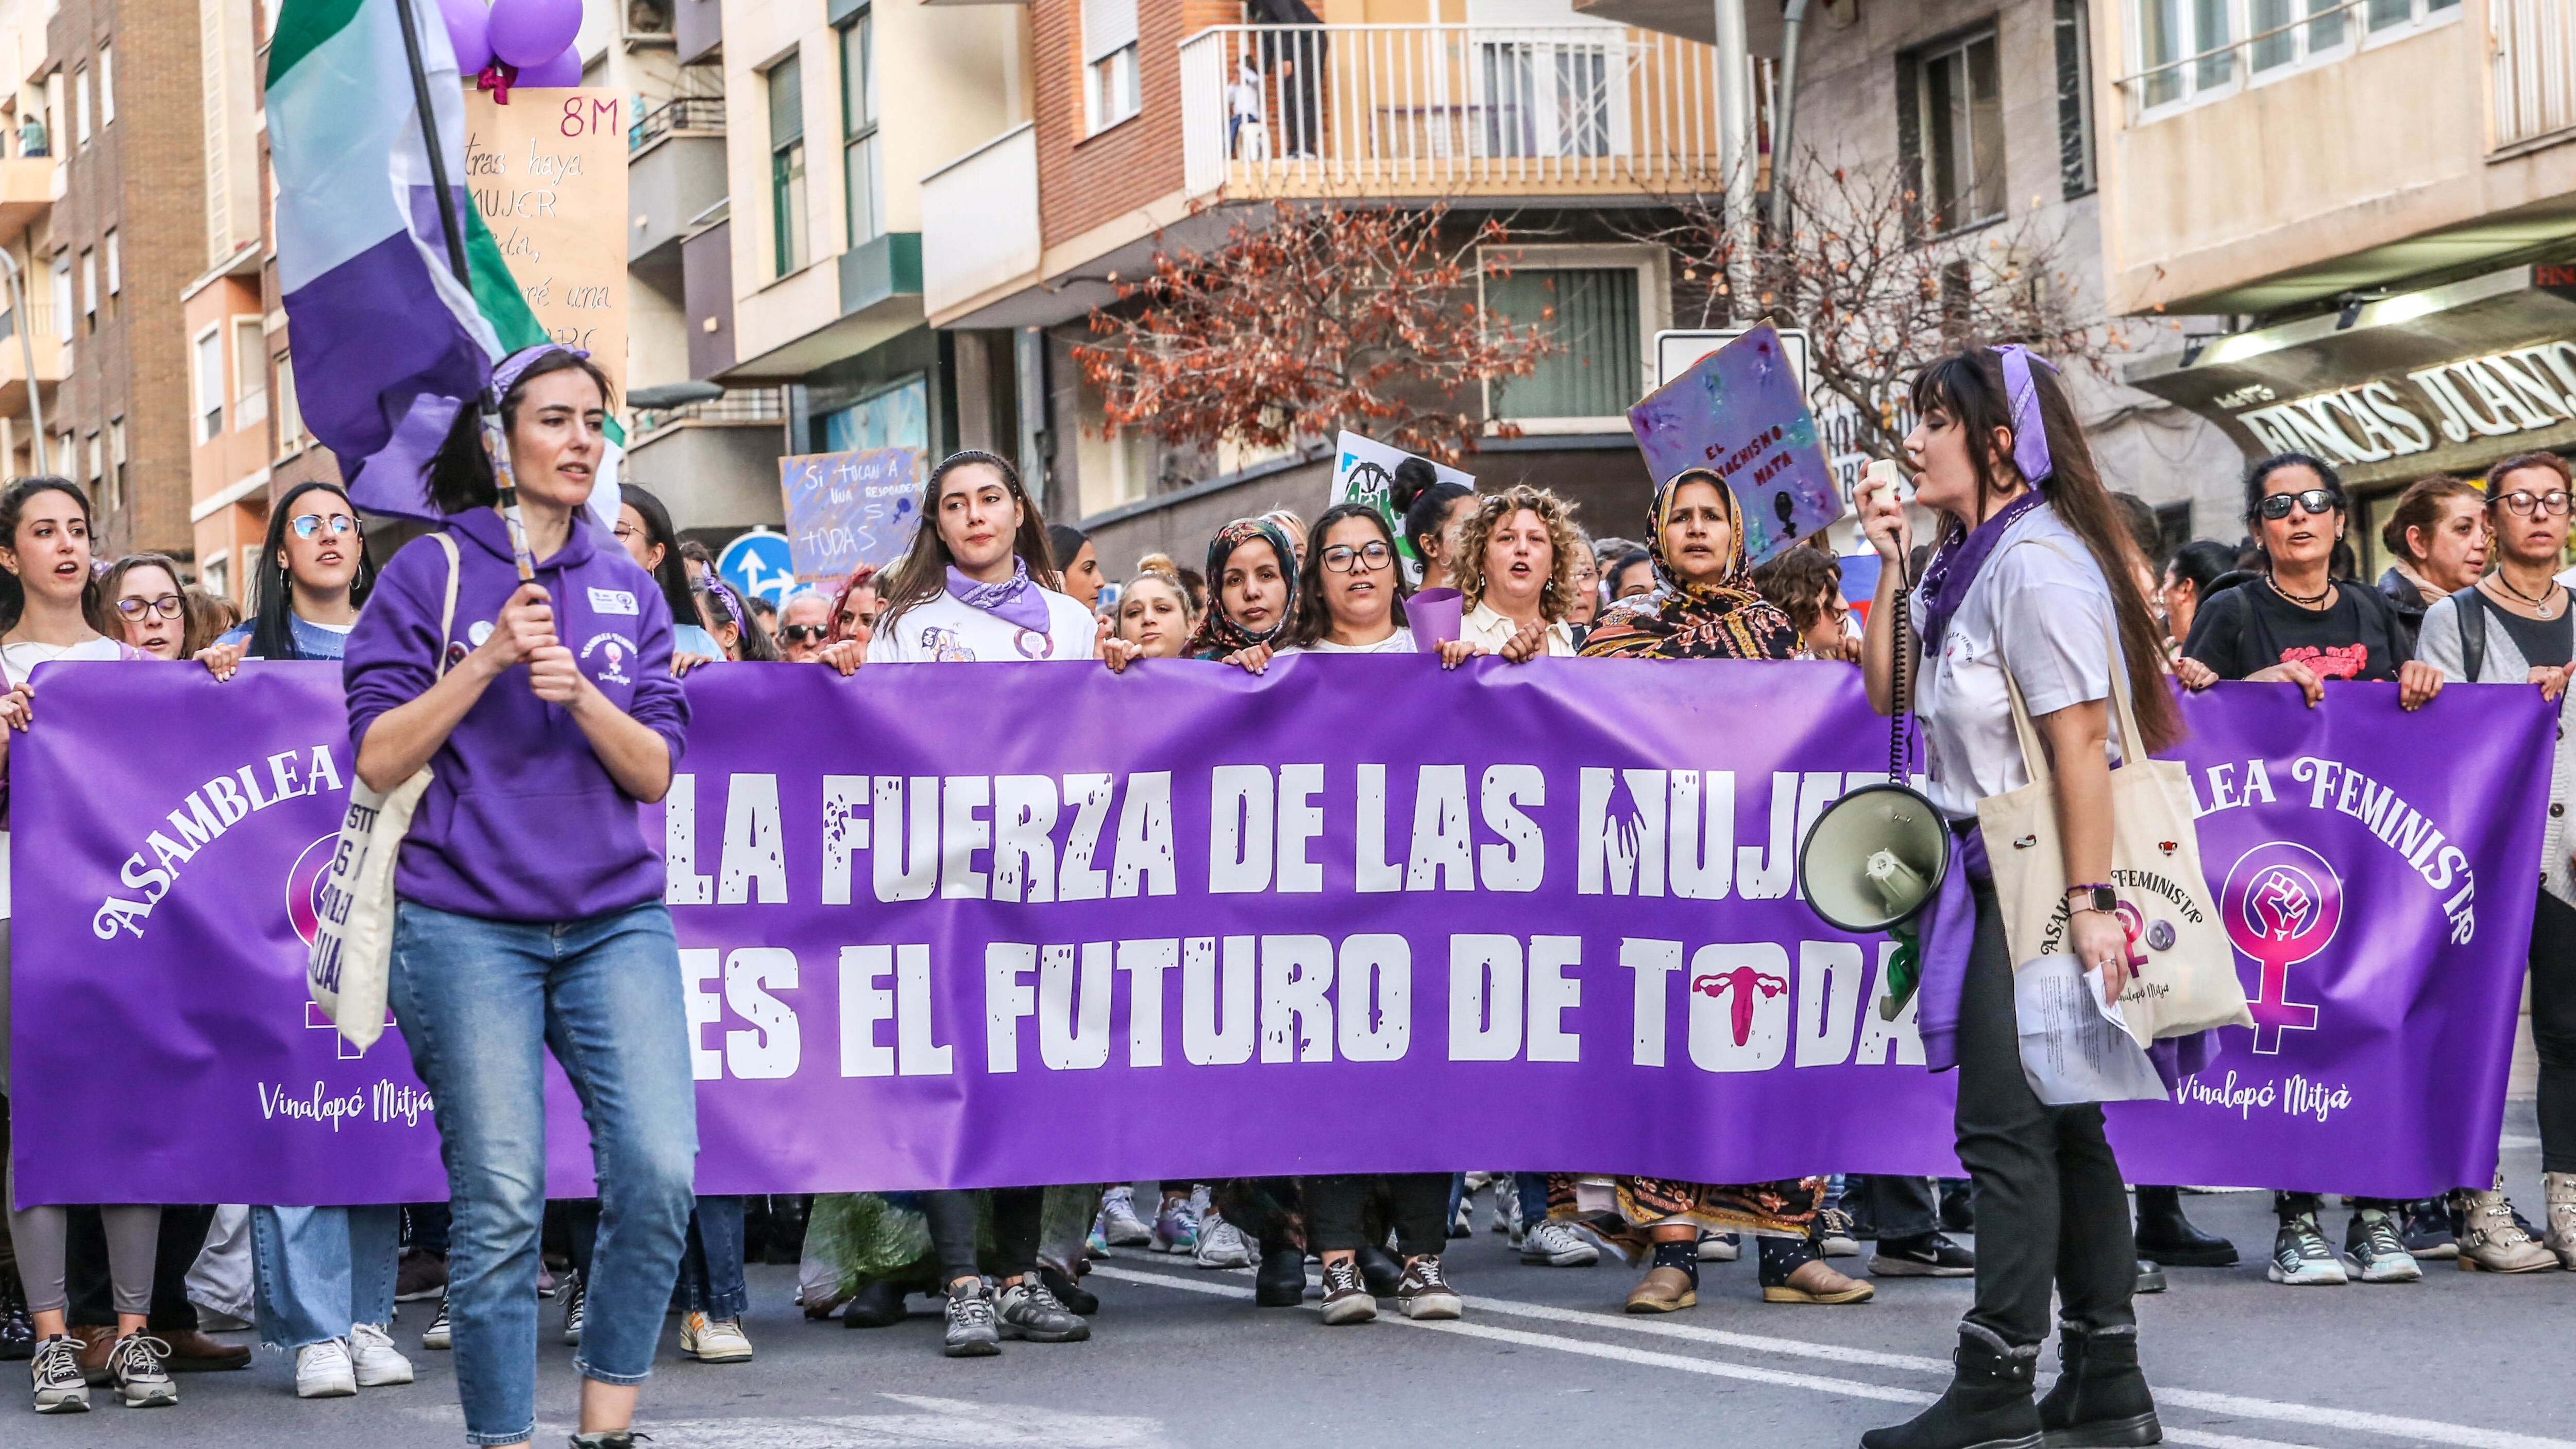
(1181, 1359)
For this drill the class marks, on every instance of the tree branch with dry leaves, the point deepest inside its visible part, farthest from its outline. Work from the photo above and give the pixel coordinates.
(1314, 320)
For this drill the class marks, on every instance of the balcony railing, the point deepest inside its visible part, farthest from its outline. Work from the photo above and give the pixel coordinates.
(738, 405)
(2535, 69)
(685, 113)
(1318, 109)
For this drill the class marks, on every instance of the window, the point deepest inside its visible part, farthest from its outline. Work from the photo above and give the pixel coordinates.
(115, 271)
(207, 358)
(80, 105)
(115, 460)
(250, 372)
(291, 436)
(787, 162)
(60, 324)
(107, 85)
(859, 129)
(1110, 91)
(97, 461)
(2074, 99)
(89, 290)
(1549, 98)
(1592, 314)
(1952, 133)
(2189, 48)
(217, 576)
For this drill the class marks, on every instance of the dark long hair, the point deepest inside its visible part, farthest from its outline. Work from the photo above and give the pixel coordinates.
(460, 474)
(1429, 508)
(752, 644)
(13, 502)
(672, 573)
(272, 630)
(1969, 386)
(1313, 619)
(921, 575)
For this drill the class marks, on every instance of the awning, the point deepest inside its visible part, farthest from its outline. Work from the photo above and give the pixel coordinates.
(2446, 380)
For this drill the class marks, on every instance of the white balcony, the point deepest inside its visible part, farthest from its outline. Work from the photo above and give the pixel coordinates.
(1438, 110)
(2535, 69)
(979, 221)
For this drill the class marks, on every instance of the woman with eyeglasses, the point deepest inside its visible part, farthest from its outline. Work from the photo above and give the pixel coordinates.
(314, 577)
(644, 530)
(2525, 633)
(143, 603)
(1515, 570)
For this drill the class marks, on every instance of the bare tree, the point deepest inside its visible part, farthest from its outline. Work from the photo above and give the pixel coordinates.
(1310, 320)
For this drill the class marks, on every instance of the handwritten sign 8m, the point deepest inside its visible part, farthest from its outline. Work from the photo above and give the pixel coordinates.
(848, 509)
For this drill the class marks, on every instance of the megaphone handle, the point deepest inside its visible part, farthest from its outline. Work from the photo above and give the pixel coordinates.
(1902, 700)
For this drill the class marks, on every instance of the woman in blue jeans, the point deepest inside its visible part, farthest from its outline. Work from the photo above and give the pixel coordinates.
(530, 908)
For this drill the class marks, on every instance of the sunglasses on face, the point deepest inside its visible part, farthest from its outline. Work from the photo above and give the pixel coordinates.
(804, 633)
(2553, 503)
(135, 606)
(308, 524)
(2314, 500)
(1368, 557)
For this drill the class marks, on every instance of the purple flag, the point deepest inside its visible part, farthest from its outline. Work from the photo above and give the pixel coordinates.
(946, 926)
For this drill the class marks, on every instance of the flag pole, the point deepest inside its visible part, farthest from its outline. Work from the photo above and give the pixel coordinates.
(487, 406)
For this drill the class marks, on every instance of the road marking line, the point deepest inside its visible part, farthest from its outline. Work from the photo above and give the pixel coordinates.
(2393, 1425)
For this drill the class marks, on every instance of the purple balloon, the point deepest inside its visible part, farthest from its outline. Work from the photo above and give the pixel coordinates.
(529, 33)
(559, 73)
(469, 31)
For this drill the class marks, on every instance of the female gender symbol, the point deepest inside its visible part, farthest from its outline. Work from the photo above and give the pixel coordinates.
(2281, 905)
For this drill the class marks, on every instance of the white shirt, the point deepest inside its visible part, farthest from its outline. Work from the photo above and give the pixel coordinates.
(1399, 642)
(2041, 600)
(1489, 629)
(945, 630)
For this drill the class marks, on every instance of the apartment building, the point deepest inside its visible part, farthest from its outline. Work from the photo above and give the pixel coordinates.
(231, 388)
(2374, 202)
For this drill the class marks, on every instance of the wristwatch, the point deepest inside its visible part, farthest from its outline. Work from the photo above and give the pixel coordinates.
(2093, 898)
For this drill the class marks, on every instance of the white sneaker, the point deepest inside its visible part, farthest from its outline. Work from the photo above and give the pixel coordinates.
(1834, 1234)
(1221, 1245)
(2300, 1257)
(713, 1340)
(1720, 1247)
(1119, 1226)
(380, 1365)
(323, 1371)
(1507, 1208)
(1557, 1245)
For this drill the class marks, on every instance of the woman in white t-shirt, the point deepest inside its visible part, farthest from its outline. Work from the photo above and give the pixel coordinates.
(2034, 575)
(46, 599)
(1351, 594)
(1516, 555)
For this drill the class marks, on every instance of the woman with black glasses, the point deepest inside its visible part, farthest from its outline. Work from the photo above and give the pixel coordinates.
(142, 602)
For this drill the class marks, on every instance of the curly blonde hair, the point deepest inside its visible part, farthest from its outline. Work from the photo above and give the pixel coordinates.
(1476, 530)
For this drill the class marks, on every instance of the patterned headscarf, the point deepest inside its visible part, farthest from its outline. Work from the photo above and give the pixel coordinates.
(1727, 619)
(1218, 635)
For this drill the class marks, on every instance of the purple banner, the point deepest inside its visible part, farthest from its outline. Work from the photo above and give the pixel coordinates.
(1035, 923)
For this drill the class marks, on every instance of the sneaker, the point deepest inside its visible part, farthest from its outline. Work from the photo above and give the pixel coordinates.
(1096, 1245)
(2493, 1239)
(1118, 1226)
(1464, 1225)
(713, 1340)
(1425, 1292)
(421, 1277)
(545, 1281)
(2371, 1246)
(576, 1295)
(1346, 1298)
(1557, 1245)
(56, 1376)
(1507, 1206)
(1720, 1247)
(2300, 1257)
(1221, 1245)
(1031, 1311)
(323, 1371)
(1932, 1255)
(142, 1380)
(436, 1335)
(972, 1331)
(2426, 1232)
(1835, 1234)
(1176, 1227)
(379, 1364)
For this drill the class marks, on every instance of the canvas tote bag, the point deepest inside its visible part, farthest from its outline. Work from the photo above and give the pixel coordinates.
(354, 943)
(2183, 963)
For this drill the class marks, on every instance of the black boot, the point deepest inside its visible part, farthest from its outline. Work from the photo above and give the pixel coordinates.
(1281, 1280)
(1077, 1300)
(786, 1244)
(17, 1329)
(2100, 1401)
(2167, 1237)
(1987, 1405)
(879, 1304)
(1379, 1271)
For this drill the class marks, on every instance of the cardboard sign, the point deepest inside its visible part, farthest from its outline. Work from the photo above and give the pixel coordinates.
(1739, 413)
(848, 509)
(1364, 472)
(548, 172)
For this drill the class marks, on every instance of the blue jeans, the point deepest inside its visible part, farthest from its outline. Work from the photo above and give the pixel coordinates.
(322, 1269)
(711, 1280)
(480, 1002)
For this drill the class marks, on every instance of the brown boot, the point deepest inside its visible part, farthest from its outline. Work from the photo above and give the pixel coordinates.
(1813, 1282)
(92, 1343)
(192, 1352)
(1667, 1289)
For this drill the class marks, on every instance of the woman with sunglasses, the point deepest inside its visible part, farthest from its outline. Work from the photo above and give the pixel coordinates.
(2525, 633)
(315, 577)
(142, 602)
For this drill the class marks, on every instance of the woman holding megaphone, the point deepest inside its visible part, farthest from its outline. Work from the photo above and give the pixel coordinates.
(2032, 587)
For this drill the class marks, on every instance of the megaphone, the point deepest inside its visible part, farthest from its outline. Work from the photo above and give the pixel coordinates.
(1874, 859)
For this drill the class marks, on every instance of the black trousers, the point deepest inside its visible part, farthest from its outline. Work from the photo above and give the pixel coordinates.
(1338, 1216)
(2553, 1029)
(93, 1302)
(2051, 1210)
(1017, 1216)
(1895, 1208)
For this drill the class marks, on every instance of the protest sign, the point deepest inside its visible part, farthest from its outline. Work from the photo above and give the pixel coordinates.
(1364, 472)
(1740, 412)
(1562, 930)
(548, 173)
(848, 509)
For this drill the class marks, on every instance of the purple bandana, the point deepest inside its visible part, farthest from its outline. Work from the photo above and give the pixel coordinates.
(1014, 600)
(1956, 563)
(515, 365)
(2030, 435)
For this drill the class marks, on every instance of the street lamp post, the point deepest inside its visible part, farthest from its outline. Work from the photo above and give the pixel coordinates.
(26, 352)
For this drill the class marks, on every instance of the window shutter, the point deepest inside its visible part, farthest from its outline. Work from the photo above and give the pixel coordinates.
(1108, 26)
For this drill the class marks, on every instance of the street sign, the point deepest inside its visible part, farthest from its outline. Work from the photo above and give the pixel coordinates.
(1677, 348)
(758, 566)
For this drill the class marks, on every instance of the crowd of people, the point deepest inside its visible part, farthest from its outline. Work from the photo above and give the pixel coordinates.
(503, 942)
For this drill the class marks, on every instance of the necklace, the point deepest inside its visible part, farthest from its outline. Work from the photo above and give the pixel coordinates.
(2304, 601)
(2545, 605)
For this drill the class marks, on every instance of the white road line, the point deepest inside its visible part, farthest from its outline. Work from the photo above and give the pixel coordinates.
(2396, 1426)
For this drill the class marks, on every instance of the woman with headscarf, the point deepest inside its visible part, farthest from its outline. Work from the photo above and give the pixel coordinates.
(1252, 574)
(1705, 608)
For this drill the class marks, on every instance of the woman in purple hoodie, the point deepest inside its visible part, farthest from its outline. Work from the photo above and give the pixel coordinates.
(530, 910)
